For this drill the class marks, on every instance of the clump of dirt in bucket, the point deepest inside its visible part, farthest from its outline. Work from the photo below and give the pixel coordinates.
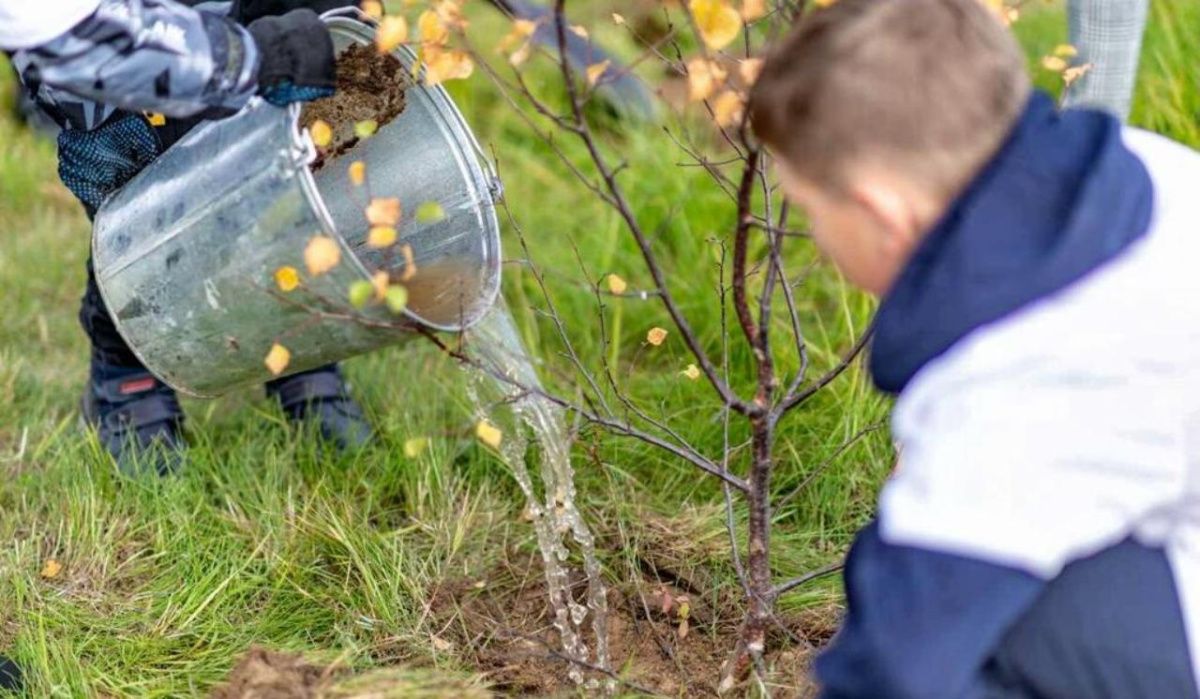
(264, 674)
(370, 86)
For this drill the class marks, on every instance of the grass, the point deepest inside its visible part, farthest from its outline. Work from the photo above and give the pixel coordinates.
(269, 539)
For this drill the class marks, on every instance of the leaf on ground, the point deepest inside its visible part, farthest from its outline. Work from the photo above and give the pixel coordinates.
(396, 299)
(596, 71)
(321, 133)
(321, 255)
(366, 128)
(430, 212)
(381, 237)
(287, 278)
(489, 434)
(656, 336)
(415, 446)
(51, 569)
(360, 293)
(440, 644)
(719, 24)
(383, 212)
(277, 359)
(358, 172)
(392, 32)
(616, 284)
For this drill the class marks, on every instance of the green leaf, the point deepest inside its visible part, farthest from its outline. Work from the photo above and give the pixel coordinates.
(366, 129)
(430, 212)
(360, 293)
(396, 299)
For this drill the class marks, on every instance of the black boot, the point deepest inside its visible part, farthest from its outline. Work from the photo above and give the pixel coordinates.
(10, 676)
(322, 396)
(136, 417)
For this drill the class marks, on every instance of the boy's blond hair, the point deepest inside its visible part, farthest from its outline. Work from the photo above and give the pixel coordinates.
(928, 88)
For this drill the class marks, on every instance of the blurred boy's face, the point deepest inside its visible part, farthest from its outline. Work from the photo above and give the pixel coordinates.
(868, 232)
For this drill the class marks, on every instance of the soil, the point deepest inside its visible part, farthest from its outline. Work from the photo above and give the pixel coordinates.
(502, 629)
(264, 674)
(370, 85)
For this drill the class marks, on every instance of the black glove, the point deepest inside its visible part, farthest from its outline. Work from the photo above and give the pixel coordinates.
(246, 11)
(296, 57)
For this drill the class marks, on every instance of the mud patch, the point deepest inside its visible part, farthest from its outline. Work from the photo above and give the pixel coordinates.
(499, 624)
(264, 674)
(370, 85)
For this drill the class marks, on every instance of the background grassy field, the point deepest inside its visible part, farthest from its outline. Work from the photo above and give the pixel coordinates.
(268, 539)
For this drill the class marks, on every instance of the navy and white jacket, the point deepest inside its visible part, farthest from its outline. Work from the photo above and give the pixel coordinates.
(1045, 344)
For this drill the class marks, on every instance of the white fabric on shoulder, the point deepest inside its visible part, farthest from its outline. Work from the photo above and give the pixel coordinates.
(27, 23)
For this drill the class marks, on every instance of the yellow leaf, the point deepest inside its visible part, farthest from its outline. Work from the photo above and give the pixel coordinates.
(618, 19)
(1054, 64)
(750, 69)
(383, 212)
(616, 284)
(156, 119)
(520, 33)
(287, 278)
(579, 31)
(596, 71)
(410, 263)
(358, 172)
(489, 434)
(321, 133)
(1070, 75)
(704, 77)
(51, 569)
(442, 65)
(656, 336)
(729, 108)
(366, 128)
(379, 282)
(1066, 51)
(321, 255)
(440, 644)
(413, 447)
(823, 3)
(521, 55)
(432, 29)
(753, 9)
(392, 31)
(372, 9)
(381, 237)
(719, 24)
(277, 359)
(692, 372)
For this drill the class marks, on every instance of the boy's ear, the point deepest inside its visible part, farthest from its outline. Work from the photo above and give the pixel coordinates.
(893, 212)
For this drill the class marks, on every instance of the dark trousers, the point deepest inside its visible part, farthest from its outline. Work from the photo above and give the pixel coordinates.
(1109, 627)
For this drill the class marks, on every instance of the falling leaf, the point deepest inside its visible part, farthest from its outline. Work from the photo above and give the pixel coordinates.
(321, 133)
(372, 9)
(618, 19)
(384, 212)
(392, 31)
(358, 172)
(753, 9)
(413, 447)
(692, 372)
(1066, 51)
(432, 29)
(321, 255)
(396, 299)
(51, 569)
(430, 212)
(729, 108)
(704, 77)
(1054, 64)
(616, 284)
(719, 24)
(595, 71)
(381, 237)
(287, 278)
(579, 31)
(443, 65)
(366, 128)
(379, 282)
(750, 69)
(360, 293)
(277, 359)
(489, 434)
(656, 336)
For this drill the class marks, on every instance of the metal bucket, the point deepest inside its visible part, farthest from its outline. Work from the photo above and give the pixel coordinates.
(185, 253)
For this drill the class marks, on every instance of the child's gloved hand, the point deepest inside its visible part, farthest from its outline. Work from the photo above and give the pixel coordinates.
(297, 63)
(94, 164)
